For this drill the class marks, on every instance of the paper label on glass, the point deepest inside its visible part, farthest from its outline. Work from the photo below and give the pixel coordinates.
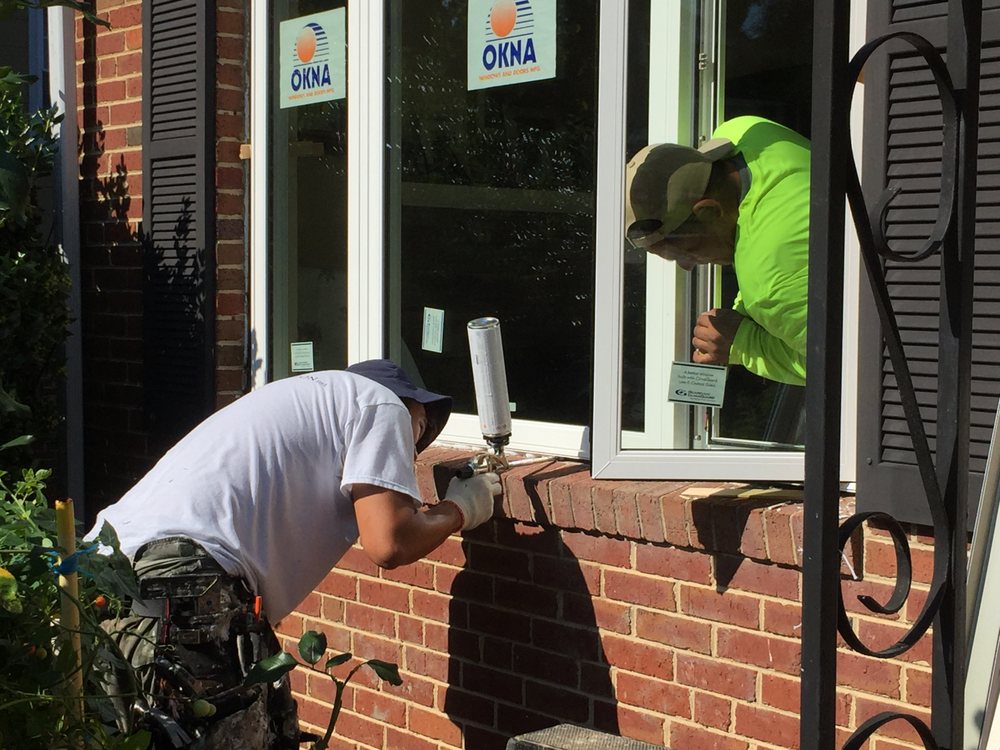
(312, 58)
(302, 356)
(704, 385)
(511, 41)
(433, 335)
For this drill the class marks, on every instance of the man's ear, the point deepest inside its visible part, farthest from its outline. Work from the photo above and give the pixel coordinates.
(707, 210)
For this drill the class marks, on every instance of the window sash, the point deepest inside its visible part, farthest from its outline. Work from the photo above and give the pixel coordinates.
(602, 441)
(610, 460)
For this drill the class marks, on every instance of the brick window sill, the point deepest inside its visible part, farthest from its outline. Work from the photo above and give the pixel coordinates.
(756, 522)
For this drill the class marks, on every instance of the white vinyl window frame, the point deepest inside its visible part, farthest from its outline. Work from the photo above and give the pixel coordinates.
(260, 321)
(610, 460)
(366, 235)
(602, 441)
(365, 271)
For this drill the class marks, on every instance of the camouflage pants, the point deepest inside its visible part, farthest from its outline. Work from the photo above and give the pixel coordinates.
(189, 643)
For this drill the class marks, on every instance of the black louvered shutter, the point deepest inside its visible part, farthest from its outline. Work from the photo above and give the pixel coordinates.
(903, 125)
(178, 214)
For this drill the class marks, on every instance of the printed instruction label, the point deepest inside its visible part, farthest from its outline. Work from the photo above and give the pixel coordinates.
(302, 356)
(704, 385)
(433, 336)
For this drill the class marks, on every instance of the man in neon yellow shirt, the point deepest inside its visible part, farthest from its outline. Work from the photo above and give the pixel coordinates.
(742, 199)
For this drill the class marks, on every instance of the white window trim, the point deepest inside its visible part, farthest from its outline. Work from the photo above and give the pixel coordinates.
(609, 459)
(366, 206)
(259, 340)
(365, 179)
(671, 88)
(365, 185)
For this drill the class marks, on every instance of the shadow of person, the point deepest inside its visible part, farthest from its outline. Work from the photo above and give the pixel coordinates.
(524, 648)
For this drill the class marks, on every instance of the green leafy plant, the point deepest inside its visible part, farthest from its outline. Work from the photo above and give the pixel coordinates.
(312, 648)
(34, 283)
(38, 666)
(7, 7)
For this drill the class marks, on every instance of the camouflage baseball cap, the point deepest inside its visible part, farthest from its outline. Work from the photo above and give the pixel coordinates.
(662, 183)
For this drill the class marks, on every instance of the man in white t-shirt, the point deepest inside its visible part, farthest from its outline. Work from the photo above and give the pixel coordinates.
(241, 519)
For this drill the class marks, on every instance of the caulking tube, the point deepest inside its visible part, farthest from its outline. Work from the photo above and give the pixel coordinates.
(489, 376)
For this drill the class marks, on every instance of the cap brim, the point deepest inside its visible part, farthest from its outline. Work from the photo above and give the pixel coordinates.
(717, 148)
(644, 240)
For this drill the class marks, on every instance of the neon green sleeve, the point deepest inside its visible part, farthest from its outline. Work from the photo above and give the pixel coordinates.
(767, 355)
(772, 268)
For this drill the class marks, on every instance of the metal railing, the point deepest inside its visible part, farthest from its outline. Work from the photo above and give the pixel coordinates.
(944, 472)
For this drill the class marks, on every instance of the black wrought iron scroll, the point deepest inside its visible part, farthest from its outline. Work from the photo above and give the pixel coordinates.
(943, 479)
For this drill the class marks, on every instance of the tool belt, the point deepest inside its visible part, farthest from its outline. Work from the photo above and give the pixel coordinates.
(194, 634)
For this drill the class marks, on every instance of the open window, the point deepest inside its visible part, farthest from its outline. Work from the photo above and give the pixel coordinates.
(489, 169)
(679, 70)
(382, 223)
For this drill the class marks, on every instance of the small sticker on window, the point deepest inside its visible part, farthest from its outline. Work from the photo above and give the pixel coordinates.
(704, 385)
(302, 356)
(433, 338)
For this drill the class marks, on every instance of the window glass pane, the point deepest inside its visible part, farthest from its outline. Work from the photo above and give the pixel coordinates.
(308, 213)
(661, 107)
(757, 61)
(490, 209)
(634, 279)
(768, 73)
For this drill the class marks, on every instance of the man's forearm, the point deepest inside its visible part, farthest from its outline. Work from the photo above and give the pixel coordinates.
(395, 530)
(425, 532)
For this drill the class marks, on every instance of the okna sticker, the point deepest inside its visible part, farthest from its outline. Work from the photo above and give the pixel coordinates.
(511, 41)
(313, 58)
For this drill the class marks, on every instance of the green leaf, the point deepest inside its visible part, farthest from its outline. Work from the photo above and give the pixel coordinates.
(12, 79)
(386, 671)
(270, 669)
(65, 661)
(108, 536)
(18, 442)
(14, 186)
(138, 741)
(312, 646)
(336, 661)
(10, 405)
(8, 586)
(112, 572)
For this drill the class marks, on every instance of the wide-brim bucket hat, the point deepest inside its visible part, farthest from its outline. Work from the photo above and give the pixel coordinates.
(388, 373)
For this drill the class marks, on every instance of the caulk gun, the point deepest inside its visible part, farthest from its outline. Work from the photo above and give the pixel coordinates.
(489, 376)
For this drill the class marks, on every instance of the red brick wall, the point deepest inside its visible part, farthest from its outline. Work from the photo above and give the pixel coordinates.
(109, 77)
(666, 612)
(232, 125)
(662, 611)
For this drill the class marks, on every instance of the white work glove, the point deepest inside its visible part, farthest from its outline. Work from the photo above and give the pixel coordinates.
(474, 497)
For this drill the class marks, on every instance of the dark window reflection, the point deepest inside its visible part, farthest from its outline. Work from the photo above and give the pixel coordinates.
(768, 72)
(769, 61)
(307, 179)
(634, 299)
(491, 208)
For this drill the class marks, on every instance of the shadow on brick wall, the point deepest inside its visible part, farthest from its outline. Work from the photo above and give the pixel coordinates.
(177, 368)
(147, 352)
(722, 525)
(116, 450)
(524, 648)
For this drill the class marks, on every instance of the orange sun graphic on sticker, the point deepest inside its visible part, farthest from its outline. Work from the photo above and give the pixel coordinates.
(503, 17)
(305, 45)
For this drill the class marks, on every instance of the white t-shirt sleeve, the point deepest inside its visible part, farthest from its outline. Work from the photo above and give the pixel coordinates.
(380, 451)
